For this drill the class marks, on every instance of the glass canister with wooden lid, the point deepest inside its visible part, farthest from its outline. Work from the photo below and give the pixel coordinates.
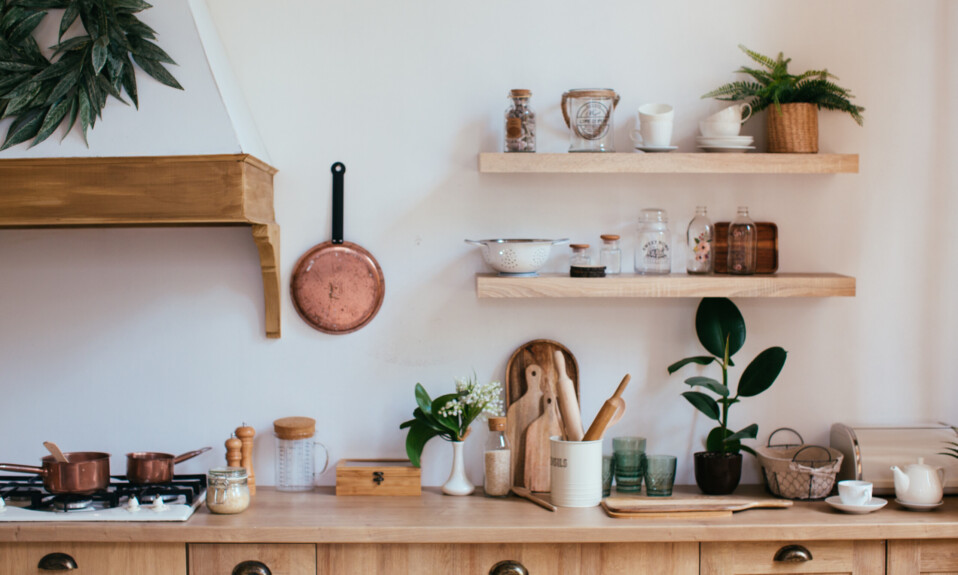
(296, 453)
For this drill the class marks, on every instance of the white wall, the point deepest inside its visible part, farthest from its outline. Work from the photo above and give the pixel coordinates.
(94, 323)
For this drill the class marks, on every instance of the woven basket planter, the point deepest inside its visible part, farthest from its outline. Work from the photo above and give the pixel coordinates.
(795, 130)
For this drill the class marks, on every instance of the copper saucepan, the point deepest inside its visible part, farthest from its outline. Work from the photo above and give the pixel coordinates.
(84, 472)
(153, 467)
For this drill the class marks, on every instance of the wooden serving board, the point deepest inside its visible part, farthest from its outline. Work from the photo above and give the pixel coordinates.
(684, 506)
(540, 352)
(767, 248)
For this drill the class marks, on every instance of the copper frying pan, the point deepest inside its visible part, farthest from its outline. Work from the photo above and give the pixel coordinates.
(154, 467)
(337, 286)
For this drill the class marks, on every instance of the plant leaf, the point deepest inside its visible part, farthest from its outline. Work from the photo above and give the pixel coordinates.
(750, 432)
(157, 71)
(716, 320)
(416, 440)
(146, 49)
(69, 17)
(450, 423)
(100, 52)
(23, 128)
(762, 372)
(21, 97)
(130, 6)
(716, 441)
(703, 403)
(708, 383)
(17, 66)
(83, 104)
(52, 119)
(701, 360)
(24, 28)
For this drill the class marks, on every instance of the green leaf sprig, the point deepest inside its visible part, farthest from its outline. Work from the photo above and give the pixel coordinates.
(772, 84)
(721, 331)
(74, 85)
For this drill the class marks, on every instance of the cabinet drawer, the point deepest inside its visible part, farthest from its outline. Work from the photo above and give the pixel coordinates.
(95, 558)
(280, 559)
(820, 557)
(914, 557)
(538, 559)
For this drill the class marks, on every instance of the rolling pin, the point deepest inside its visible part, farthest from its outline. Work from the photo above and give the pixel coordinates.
(568, 404)
(613, 407)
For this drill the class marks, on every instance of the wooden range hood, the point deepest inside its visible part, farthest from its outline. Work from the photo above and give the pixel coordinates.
(207, 190)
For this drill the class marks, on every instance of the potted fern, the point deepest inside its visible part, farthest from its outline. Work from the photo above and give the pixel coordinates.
(721, 330)
(793, 126)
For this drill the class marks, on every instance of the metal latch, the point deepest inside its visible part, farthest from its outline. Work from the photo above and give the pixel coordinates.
(378, 477)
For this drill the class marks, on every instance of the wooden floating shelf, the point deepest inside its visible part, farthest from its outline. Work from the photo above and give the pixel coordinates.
(232, 189)
(667, 163)
(672, 285)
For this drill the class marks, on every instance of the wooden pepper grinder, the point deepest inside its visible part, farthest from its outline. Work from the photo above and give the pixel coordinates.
(234, 451)
(246, 433)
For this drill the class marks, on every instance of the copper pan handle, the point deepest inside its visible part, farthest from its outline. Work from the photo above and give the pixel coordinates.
(190, 455)
(21, 468)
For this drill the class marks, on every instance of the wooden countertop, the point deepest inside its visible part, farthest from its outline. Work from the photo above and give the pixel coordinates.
(321, 517)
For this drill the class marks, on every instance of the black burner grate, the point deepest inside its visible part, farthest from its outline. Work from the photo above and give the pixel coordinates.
(120, 489)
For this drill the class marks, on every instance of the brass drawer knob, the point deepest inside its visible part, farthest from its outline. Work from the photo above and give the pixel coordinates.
(508, 568)
(793, 554)
(251, 568)
(57, 562)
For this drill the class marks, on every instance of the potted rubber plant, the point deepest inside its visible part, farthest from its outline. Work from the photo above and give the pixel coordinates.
(794, 99)
(721, 331)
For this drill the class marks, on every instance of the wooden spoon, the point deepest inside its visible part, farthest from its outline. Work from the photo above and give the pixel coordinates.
(55, 451)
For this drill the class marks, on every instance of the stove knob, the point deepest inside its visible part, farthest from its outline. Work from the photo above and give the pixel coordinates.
(57, 562)
(251, 568)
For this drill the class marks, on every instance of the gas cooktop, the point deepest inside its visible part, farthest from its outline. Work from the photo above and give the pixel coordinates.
(25, 499)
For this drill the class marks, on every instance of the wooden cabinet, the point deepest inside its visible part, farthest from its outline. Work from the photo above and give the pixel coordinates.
(93, 558)
(915, 557)
(279, 559)
(538, 559)
(818, 557)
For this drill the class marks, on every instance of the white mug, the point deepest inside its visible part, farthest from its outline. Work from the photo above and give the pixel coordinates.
(714, 129)
(854, 492)
(732, 113)
(653, 134)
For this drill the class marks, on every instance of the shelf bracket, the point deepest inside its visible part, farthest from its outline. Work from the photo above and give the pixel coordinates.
(266, 237)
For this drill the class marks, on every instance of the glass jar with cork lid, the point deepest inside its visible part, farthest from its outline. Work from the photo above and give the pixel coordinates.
(498, 460)
(296, 453)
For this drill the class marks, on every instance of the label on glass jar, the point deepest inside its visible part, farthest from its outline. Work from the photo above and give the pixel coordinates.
(513, 128)
(655, 255)
(592, 120)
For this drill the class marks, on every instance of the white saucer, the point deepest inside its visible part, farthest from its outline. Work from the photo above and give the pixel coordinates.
(920, 506)
(656, 148)
(873, 505)
(746, 141)
(727, 149)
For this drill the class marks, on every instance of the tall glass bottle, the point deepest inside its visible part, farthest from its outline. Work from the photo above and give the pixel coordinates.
(520, 125)
(699, 237)
(742, 244)
(498, 460)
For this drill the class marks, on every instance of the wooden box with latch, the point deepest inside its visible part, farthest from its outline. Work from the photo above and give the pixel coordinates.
(377, 477)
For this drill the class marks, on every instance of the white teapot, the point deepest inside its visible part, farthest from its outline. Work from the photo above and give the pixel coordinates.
(919, 483)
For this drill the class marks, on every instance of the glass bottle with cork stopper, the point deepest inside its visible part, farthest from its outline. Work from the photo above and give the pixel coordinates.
(498, 460)
(520, 126)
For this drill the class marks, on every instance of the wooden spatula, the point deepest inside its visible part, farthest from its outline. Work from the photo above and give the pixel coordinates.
(55, 451)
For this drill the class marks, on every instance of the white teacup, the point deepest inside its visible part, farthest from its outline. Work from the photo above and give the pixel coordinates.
(733, 113)
(654, 129)
(854, 492)
(713, 129)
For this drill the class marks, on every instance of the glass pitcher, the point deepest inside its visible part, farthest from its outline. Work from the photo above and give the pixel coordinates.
(589, 115)
(296, 454)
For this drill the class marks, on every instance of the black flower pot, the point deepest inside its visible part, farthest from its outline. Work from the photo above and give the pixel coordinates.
(717, 473)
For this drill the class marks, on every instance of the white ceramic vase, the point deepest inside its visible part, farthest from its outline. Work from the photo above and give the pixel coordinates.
(458, 483)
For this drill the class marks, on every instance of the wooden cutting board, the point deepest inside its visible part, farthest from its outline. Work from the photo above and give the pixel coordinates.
(539, 352)
(519, 416)
(767, 248)
(685, 506)
(538, 473)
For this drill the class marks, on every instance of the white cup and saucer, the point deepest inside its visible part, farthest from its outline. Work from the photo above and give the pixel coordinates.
(720, 131)
(653, 132)
(855, 497)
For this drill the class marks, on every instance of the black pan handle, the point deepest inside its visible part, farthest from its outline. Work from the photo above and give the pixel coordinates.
(338, 170)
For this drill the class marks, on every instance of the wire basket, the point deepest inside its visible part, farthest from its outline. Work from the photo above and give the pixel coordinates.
(799, 471)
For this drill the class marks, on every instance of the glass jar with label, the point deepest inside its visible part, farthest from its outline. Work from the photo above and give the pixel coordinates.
(610, 256)
(653, 247)
(580, 255)
(520, 130)
(588, 113)
(699, 237)
(742, 244)
(227, 490)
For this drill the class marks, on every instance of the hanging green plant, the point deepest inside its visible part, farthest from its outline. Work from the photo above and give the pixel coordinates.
(41, 93)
